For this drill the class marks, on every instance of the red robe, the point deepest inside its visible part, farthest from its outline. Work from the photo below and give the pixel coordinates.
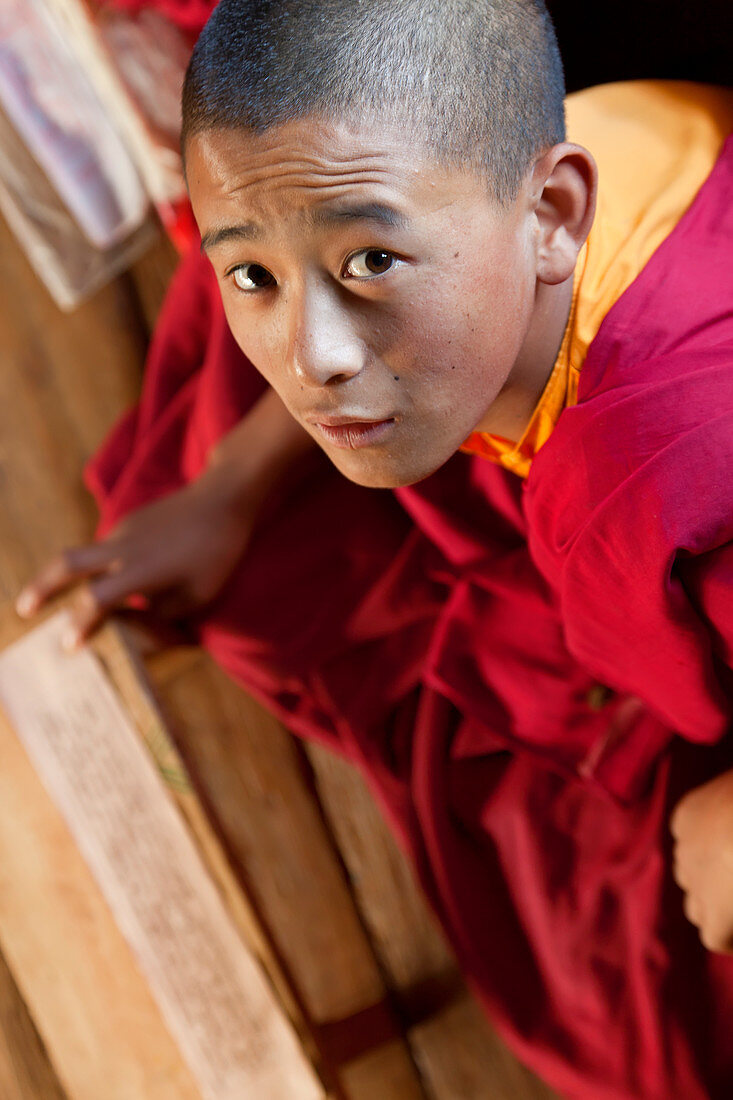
(487, 610)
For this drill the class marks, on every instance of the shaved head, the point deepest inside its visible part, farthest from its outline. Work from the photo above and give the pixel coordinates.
(478, 83)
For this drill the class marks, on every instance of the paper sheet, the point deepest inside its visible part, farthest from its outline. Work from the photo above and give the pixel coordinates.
(210, 991)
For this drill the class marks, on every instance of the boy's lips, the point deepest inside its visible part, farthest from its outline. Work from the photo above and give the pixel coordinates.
(332, 421)
(351, 432)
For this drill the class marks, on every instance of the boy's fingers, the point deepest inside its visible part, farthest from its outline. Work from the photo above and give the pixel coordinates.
(69, 565)
(95, 601)
(88, 611)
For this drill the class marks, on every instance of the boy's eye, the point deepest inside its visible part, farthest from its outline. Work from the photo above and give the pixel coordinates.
(252, 277)
(372, 261)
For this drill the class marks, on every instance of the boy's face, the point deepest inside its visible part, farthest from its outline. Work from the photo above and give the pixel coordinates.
(385, 298)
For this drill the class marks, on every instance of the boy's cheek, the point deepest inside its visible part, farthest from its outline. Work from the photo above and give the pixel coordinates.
(249, 339)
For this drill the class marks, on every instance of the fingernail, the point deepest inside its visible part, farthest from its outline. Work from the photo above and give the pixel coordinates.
(70, 639)
(25, 603)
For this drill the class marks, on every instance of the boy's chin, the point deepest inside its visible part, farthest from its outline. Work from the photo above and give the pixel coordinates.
(381, 472)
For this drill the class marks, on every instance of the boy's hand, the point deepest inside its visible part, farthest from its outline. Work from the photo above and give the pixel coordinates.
(702, 825)
(177, 552)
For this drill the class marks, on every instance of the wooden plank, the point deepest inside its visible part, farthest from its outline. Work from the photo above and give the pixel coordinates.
(385, 1073)
(457, 1049)
(248, 773)
(463, 1059)
(114, 647)
(26, 1072)
(247, 766)
(65, 380)
(408, 939)
(75, 971)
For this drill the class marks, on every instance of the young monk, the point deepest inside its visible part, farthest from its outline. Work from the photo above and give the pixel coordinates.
(526, 642)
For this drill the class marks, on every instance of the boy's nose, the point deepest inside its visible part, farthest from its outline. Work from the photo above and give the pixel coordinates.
(324, 345)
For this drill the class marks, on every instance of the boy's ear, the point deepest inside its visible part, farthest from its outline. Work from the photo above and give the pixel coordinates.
(564, 186)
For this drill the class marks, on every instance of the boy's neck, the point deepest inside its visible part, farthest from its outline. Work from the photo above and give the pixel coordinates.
(512, 410)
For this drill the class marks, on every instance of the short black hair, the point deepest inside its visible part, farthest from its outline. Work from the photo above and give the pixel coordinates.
(479, 82)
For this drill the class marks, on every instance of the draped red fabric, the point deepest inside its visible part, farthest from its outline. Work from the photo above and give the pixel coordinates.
(189, 15)
(450, 639)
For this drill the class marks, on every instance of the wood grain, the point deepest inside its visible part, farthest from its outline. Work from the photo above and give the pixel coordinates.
(75, 971)
(26, 1072)
(252, 784)
(455, 1047)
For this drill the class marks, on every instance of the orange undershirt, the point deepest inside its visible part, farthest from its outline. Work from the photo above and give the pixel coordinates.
(655, 143)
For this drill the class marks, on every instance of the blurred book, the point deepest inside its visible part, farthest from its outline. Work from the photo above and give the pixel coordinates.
(89, 121)
(136, 61)
(67, 263)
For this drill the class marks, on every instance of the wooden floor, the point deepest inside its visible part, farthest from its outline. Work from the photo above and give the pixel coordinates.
(338, 901)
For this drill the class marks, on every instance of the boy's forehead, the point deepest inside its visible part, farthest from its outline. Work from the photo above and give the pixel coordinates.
(312, 161)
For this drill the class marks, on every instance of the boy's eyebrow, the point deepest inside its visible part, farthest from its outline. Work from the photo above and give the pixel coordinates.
(248, 231)
(361, 211)
(324, 215)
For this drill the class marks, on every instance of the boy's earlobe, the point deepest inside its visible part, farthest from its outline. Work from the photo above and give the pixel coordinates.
(565, 181)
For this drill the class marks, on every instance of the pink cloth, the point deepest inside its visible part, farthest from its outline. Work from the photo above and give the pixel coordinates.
(446, 637)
